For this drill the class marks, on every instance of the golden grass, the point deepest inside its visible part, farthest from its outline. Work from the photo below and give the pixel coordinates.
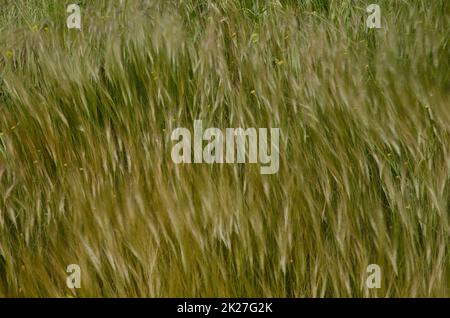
(86, 175)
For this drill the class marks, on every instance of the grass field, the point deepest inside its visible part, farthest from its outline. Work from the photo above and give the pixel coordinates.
(86, 175)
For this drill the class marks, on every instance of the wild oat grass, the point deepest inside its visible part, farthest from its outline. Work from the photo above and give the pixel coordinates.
(86, 175)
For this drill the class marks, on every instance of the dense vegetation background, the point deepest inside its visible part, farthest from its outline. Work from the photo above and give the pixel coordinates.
(86, 175)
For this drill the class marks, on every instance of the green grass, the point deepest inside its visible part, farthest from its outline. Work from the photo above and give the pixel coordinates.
(86, 175)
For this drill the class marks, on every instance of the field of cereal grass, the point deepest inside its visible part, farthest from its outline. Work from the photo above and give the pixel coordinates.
(86, 175)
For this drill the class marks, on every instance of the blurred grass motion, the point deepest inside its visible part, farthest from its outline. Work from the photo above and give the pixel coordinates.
(86, 175)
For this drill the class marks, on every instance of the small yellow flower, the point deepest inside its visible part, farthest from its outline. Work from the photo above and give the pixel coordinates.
(46, 29)
(9, 54)
(280, 62)
(253, 92)
(35, 28)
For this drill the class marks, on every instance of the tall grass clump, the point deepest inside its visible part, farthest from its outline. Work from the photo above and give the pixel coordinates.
(86, 175)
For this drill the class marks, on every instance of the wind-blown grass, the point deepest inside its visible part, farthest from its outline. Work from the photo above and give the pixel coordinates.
(86, 175)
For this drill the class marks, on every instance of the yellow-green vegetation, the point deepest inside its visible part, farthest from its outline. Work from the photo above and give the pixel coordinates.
(86, 175)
